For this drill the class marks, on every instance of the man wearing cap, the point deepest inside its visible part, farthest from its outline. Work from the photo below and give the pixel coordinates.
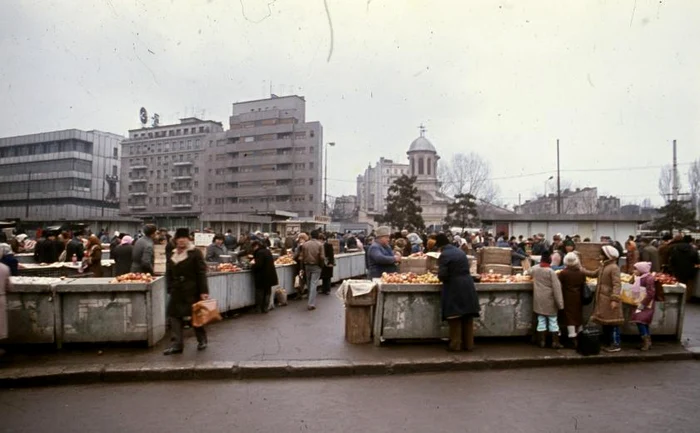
(313, 258)
(380, 256)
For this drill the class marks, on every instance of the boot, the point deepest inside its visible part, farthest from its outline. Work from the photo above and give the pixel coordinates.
(542, 339)
(574, 341)
(172, 351)
(468, 334)
(555, 341)
(646, 343)
(455, 344)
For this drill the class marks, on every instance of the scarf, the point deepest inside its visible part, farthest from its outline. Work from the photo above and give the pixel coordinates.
(180, 256)
(545, 265)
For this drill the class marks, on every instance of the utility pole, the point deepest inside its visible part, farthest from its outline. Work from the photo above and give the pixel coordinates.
(675, 174)
(29, 188)
(558, 181)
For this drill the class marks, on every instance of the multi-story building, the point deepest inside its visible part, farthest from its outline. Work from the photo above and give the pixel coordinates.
(70, 175)
(163, 171)
(345, 208)
(269, 160)
(578, 202)
(373, 185)
(608, 205)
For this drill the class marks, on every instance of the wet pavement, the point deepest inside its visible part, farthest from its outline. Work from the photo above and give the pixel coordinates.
(638, 398)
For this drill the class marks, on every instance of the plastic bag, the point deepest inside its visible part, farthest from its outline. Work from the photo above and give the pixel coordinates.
(633, 294)
(281, 296)
(205, 312)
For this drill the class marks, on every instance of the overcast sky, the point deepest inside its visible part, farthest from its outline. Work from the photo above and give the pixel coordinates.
(616, 81)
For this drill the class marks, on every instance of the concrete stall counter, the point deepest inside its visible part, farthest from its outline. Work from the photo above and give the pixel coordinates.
(32, 310)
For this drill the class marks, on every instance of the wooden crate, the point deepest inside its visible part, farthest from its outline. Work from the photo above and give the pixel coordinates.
(590, 254)
(336, 245)
(417, 265)
(495, 256)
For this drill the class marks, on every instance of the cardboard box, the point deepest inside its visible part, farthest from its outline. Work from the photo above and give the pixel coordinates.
(417, 265)
(495, 256)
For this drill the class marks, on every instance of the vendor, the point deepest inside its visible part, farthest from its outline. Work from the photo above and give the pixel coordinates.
(380, 257)
(459, 301)
(216, 249)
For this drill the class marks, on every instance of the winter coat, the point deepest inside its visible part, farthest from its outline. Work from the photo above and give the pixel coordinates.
(75, 246)
(632, 259)
(143, 257)
(12, 263)
(264, 272)
(572, 281)
(94, 261)
(186, 281)
(682, 261)
(122, 259)
(380, 259)
(607, 290)
(48, 251)
(4, 285)
(651, 254)
(647, 314)
(547, 297)
(517, 257)
(459, 296)
(327, 271)
(214, 253)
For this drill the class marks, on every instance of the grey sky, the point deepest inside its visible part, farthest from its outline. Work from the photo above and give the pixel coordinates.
(615, 81)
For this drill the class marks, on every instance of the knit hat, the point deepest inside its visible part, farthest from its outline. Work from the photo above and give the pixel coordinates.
(569, 243)
(571, 260)
(182, 233)
(610, 252)
(643, 267)
(127, 240)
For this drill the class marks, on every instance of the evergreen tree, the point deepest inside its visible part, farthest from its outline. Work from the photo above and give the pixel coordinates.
(676, 215)
(403, 205)
(463, 212)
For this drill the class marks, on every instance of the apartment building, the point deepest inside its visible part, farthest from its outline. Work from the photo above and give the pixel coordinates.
(373, 185)
(269, 160)
(68, 175)
(163, 174)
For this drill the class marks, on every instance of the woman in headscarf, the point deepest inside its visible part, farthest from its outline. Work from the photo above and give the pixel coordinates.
(459, 301)
(608, 311)
(416, 243)
(572, 281)
(644, 313)
(186, 279)
(122, 256)
(92, 261)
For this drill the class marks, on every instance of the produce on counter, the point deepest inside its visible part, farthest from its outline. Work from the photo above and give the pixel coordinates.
(493, 278)
(133, 278)
(665, 279)
(519, 278)
(590, 280)
(285, 260)
(410, 278)
(36, 280)
(228, 267)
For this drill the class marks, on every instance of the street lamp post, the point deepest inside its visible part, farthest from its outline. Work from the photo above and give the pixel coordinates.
(545, 185)
(325, 179)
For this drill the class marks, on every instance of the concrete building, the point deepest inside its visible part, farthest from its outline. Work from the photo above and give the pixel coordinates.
(163, 174)
(345, 208)
(269, 160)
(608, 205)
(373, 185)
(70, 175)
(579, 202)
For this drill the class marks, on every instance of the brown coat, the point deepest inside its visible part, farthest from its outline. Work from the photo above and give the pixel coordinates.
(607, 290)
(572, 282)
(547, 296)
(94, 258)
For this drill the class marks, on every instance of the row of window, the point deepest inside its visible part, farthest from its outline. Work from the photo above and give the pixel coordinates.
(55, 166)
(45, 185)
(148, 149)
(69, 145)
(298, 135)
(172, 132)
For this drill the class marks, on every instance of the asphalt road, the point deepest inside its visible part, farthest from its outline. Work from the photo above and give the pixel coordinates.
(655, 397)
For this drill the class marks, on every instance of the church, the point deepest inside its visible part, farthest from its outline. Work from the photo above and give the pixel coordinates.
(373, 185)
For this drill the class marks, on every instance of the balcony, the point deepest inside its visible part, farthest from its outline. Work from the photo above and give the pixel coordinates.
(182, 205)
(182, 177)
(182, 191)
(139, 180)
(139, 167)
(138, 193)
(182, 163)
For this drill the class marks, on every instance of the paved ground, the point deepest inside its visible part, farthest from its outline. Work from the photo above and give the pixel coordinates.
(293, 333)
(638, 398)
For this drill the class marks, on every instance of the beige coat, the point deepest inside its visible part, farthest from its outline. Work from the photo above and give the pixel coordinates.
(607, 290)
(4, 285)
(547, 296)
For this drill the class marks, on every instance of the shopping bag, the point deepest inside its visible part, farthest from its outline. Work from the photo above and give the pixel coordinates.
(281, 296)
(633, 294)
(204, 312)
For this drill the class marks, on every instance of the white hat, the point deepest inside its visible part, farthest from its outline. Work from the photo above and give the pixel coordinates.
(611, 252)
(21, 237)
(116, 234)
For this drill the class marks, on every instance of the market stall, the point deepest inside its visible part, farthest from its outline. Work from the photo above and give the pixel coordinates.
(61, 269)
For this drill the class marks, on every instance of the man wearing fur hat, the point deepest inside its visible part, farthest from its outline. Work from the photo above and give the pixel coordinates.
(380, 256)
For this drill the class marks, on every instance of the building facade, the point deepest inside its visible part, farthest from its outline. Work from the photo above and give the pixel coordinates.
(68, 175)
(269, 160)
(373, 185)
(579, 201)
(163, 172)
(345, 208)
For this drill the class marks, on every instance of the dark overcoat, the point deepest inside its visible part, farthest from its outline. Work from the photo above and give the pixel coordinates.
(264, 272)
(327, 271)
(122, 259)
(458, 291)
(572, 282)
(186, 281)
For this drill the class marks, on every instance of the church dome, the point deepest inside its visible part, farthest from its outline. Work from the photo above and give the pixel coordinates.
(421, 144)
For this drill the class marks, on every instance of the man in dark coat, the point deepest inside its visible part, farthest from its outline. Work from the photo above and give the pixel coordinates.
(75, 247)
(649, 253)
(48, 250)
(143, 257)
(459, 301)
(328, 266)
(122, 255)
(682, 261)
(186, 280)
(264, 275)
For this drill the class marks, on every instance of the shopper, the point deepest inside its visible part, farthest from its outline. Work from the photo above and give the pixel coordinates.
(313, 259)
(122, 255)
(649, 253)
(608, 311)
(143, 257)
(632, 254)
(48, 250)
(380, 257)
(75, 248)
(7, 257)
(572, 281)
(92, 262)
(186, 279)
(264, 275)
(644, 313)
(328, 266)
(682, 262)
(547, 300)
(459, 302)
(216, 249)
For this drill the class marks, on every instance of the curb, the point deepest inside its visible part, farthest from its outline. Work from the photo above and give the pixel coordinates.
(250, 370)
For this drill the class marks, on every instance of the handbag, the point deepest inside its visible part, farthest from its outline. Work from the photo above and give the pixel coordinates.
(586, 294)
(62, 257)
(205, 312)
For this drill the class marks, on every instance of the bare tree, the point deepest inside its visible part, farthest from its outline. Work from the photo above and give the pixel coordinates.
(468, 174)
(666, 182)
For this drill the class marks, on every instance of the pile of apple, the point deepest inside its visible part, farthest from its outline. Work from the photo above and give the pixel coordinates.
(133, 277)
(493, 278)
(285, 260)
(519, 278)
(417, 255)
(228, 267)
(410, 278)
(665, 279)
